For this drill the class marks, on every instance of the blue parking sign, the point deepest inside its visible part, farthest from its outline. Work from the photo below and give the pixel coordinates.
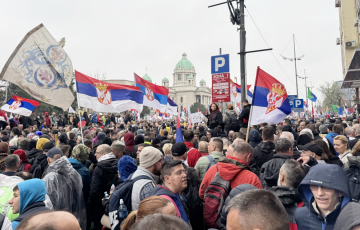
(220, 64)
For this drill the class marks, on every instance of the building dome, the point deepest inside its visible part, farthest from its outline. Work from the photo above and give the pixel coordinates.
(202, 81)
(184, 63)
(165, 79)
(147, 78)
(190, 77)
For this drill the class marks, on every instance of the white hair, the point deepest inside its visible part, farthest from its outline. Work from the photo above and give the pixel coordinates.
(308, 132)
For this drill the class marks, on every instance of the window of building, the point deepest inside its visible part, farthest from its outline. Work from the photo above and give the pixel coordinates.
(181, 100)
(179, 77)
(181, 109)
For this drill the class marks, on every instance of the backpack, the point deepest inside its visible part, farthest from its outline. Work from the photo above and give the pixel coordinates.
(212, 162)
(354, 182)
(214, 199)
(232, 122)
(37, 169)
(123, 191)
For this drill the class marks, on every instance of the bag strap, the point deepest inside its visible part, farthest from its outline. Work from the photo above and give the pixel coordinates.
(210, 158)
(172, 201)
(142, 177)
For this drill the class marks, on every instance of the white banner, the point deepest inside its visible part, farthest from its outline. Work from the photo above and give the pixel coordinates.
(197, 117)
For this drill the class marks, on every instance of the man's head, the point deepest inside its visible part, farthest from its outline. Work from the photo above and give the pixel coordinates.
(244, 102)
(288, 136)
(118, 148)
(256, 209)
(307, 132)
(12, 163)
(102, 150)
(243, 151)
(160, 222)
(312, 150)
(151, 159)
(291, 174)
(338, 128)
(302, 125)
(72, 136)
(54, 154)
(226, 143)
(284, 146)
(229, 151)
(208, 135)
(173, 176)
(33, 190)
(230, 134)
(179, 151)
(189, 136)
(54, 220)
(268, 134)
(215, 144)
(230, 107)
(140, 148)
(350, 132)
(24, 144)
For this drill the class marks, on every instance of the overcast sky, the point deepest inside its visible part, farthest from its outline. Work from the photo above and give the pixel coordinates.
(122, 37)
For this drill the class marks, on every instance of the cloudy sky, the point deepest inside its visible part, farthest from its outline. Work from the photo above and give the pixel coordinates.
(120, 37)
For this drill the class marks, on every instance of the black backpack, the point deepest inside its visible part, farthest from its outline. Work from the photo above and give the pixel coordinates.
(232, 122)
(353, 174)
(37, 170)
(123, 191)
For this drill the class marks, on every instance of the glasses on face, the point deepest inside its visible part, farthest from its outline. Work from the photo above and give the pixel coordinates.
(180, 172)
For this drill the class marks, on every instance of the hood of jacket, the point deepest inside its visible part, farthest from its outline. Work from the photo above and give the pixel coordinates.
(349, 217)
(354, 161)
(231, 112)
(106, 157)
(61, 165)
(75, 164)
(129, 139)
(46, 113)
(254, 136)
(271, 173)
(31, 191)
(22, 155)
(109, 165)
(288, 196)
(229, 167)
(266, 147)
(326, 175)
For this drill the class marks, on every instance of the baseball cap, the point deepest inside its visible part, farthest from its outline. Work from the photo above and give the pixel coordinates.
(313, 147)
(52, 152)
(179, 149)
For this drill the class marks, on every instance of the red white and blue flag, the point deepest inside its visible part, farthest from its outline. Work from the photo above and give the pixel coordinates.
(154, 96)
(235, 91)
(179, 135)
(171, 107)
(105, 97)
(270, 102)
(21, 106)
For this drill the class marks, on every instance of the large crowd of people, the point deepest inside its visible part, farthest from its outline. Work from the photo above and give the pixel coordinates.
(298, 174)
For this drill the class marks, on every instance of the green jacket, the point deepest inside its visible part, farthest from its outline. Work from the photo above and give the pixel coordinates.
(203, 163)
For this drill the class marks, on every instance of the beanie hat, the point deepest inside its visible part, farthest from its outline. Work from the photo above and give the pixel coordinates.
(126, 166)
(4, 147)
(32, 144)
(54, 151)
(38, 133)
(149, 156)
(80, 153)
(40, 143)
(101, 136)
(139, 139)
(47, 146)
(156, 141)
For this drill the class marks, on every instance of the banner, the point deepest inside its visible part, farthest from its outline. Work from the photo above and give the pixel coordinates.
(197, 117)
(42, 68)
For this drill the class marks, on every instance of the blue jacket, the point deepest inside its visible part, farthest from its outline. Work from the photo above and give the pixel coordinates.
(94, 119)
(32, 196)
(329, 176)
(160, 190)
(85, 176)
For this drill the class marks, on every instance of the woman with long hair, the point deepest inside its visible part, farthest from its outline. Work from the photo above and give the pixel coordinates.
(148, 206)
(215, 117)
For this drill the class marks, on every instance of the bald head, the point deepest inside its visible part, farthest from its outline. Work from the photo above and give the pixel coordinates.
(56, 220)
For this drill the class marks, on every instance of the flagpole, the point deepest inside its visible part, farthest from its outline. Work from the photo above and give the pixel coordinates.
(78, 103)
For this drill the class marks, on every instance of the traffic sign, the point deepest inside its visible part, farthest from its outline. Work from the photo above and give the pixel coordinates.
(291, 99)
(220, 64)
(298, 105)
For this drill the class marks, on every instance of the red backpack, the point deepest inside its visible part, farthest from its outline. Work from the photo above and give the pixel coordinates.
(214, 199)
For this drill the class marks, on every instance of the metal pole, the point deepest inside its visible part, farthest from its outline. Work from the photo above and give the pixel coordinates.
(357, 102)
(6, 91)
(306, 89)
(297, 91)
(242, 51)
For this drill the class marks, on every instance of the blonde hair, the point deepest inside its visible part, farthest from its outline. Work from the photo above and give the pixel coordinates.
(341, 138)
(148, 206)
(203, 146)
(167, 148)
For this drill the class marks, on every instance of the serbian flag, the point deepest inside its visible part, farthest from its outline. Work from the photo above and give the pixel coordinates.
(185, 110)
(21, 106)
(179, 135)
(154, 96)
(235, 92)
(270, 102)
(106, 97)
(305, 104)
(171, 107)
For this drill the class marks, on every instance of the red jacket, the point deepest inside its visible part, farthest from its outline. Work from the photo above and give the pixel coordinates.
(193, 154)
(23, 158)
(231, 172)
(47, 119)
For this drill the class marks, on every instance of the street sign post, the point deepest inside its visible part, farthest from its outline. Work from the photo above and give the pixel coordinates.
(291, 100)
(220, 70)
(298, 105)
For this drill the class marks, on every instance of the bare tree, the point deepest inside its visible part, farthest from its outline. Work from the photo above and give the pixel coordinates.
(98, 74)
(331, 93)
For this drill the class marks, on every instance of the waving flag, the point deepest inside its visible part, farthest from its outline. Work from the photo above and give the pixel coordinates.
(171, 107)
(322, 111)
(345, 104)
(305, 104)
(235, 92)
(154, 96)
(238, 107)
(105, 97)
(340, 110)
(335, 108)
(179, 135)
(19, 105)
(311, 96)
(41, 67)
(327, 110)
(270, 102)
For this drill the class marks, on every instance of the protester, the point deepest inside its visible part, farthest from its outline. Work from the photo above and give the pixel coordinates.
(341, 147)
(4, 151)
(203, 148)
(325, 192)
(126, 166)
(264, 151)
(161, 222)
(129, 144)
(315, 151)
(244, 115)
(12, 164)
(230, 119)
(118, 149)
(215, 117)
(24, 165)
(348, 218)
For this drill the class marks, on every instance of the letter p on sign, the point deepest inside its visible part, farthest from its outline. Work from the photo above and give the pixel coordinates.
(219, 62)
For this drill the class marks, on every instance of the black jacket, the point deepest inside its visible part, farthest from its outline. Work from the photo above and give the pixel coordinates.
(72, 144)
(349, 217)
(269, 172)
(307, 218)
(32, 154)
(353, 174)
(25, 121)
(335, 160)
(104, 175)
(61, 122)
(263, 152)
(40, 160)
(244, 116)
(353, 142)
(237, 190)
(289, 198)
(215, 120)
(316, 136)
